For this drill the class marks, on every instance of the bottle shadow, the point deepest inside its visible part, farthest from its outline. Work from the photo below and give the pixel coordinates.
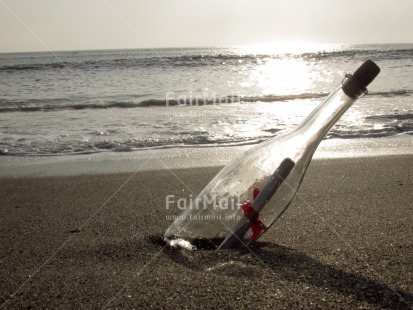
(291, 265)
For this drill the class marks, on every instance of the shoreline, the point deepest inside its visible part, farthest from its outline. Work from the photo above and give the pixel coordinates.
(185, 157)
(94, 240)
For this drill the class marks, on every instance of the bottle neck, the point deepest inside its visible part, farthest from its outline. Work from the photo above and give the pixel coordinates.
(316, 126)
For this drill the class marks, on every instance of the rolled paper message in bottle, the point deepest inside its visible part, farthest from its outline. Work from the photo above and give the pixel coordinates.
(227, 212)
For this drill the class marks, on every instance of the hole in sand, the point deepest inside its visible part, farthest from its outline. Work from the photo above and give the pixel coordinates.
(207, 244)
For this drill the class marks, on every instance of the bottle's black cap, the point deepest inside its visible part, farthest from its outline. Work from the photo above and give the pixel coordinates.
(356, 84)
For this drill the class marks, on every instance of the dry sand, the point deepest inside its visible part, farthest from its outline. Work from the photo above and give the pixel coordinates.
(94, 241)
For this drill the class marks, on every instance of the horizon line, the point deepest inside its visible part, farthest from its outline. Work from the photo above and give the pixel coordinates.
(188, 47)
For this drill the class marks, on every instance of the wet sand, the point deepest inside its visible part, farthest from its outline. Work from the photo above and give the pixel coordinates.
(94, 241)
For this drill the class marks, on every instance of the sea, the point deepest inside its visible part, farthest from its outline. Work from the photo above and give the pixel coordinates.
(110, 101)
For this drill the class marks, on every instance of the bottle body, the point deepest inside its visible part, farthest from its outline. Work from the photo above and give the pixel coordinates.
(218, 209)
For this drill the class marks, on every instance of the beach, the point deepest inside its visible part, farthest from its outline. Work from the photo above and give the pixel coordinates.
(95, 144)
(94, 240)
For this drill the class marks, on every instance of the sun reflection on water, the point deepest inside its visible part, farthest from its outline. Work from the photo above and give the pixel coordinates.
(283, 76)
(283, 69)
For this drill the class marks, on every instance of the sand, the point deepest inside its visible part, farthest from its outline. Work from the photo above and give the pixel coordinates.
(94, 241)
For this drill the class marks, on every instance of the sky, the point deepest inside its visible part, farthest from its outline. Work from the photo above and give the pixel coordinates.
(52, 25)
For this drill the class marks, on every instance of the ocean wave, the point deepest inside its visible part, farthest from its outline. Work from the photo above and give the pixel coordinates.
(392, 117)
(198, 58)
(78, 148)
(36, 105)
(392, 93)
(387, 131)
(133, 62)
(49, 107)
(186, 139)
(364, 53)
(58, 104)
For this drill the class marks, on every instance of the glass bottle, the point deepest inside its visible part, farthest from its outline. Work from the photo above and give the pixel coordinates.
(249, 194)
